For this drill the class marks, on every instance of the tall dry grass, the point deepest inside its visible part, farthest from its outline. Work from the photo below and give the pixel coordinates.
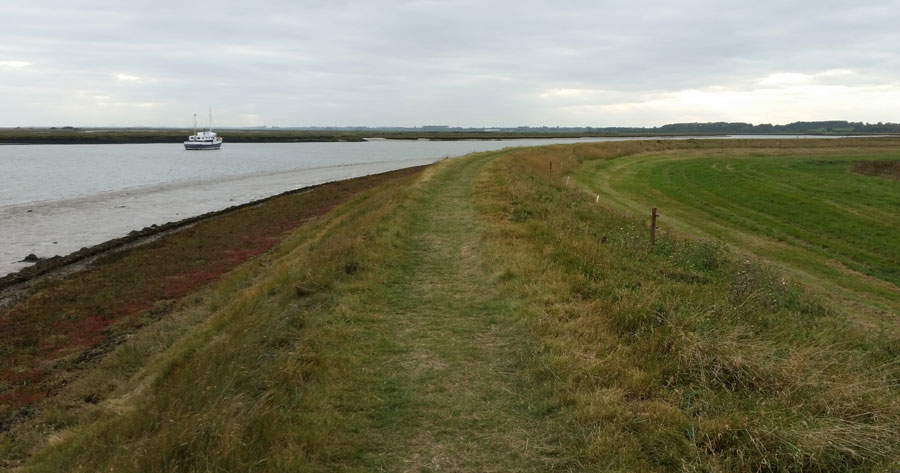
(683, 356)
(888, 169)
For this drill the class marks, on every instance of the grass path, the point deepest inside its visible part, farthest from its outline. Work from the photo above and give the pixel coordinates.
(450, 372)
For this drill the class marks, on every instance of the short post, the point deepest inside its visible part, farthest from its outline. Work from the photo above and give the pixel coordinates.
(653, 226)
(551, 165)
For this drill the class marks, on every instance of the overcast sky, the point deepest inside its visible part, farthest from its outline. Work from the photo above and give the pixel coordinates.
(457, 63)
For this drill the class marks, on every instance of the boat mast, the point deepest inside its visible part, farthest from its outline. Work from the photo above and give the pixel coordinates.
(195, 124)
(210, 118)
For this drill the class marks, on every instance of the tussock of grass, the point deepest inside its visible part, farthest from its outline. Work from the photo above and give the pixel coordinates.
(683, 356)
(885, 168)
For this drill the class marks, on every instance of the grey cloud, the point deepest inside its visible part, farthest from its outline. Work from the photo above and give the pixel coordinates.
(413, 62)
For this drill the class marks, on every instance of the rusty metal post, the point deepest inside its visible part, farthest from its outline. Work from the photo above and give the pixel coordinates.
(653, 227)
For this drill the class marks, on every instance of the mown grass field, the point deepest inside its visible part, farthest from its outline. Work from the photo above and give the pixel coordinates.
(488, 315)
(808, 210)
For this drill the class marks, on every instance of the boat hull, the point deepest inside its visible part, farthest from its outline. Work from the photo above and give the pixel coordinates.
(193, 145)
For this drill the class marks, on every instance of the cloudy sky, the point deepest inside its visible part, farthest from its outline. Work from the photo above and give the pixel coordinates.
(455, 62)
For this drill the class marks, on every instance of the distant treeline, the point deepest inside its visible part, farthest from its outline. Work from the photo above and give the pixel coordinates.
(832, 126)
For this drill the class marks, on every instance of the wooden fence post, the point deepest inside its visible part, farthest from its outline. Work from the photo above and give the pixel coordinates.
(653, 227)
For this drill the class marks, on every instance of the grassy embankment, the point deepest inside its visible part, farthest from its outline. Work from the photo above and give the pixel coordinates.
(63, 325)
(486, 317)
(687, 357)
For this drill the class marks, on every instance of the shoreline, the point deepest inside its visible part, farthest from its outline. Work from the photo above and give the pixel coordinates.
(48, 265)
(133, 239)
(84, 304)
(68, 224)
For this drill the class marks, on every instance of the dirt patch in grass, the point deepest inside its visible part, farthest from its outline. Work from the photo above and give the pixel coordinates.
(888, 169)
(58, 324)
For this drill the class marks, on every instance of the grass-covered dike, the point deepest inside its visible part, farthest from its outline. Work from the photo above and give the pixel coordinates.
(488, 314)
(688, 355)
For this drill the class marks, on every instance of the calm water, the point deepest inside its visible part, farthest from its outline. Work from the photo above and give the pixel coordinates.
(36, 173)
(55, 199)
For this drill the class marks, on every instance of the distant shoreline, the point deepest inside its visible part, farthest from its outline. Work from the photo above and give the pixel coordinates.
(43, 136)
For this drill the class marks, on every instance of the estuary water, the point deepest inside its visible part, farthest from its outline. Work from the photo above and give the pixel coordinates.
(55, 199)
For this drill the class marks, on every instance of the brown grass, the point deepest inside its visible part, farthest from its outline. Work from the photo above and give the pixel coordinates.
(684, 356)
(888, 169)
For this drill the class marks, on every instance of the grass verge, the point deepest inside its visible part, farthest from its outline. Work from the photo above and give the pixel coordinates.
(685, 356)
(63, 325)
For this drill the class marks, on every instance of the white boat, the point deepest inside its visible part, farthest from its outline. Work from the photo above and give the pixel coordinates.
(203, 139)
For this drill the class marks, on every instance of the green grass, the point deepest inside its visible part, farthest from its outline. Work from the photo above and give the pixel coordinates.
(488, 315)
(449, 369)
(63, 325)
(372, 340)
(804, 209)
(685, 356)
